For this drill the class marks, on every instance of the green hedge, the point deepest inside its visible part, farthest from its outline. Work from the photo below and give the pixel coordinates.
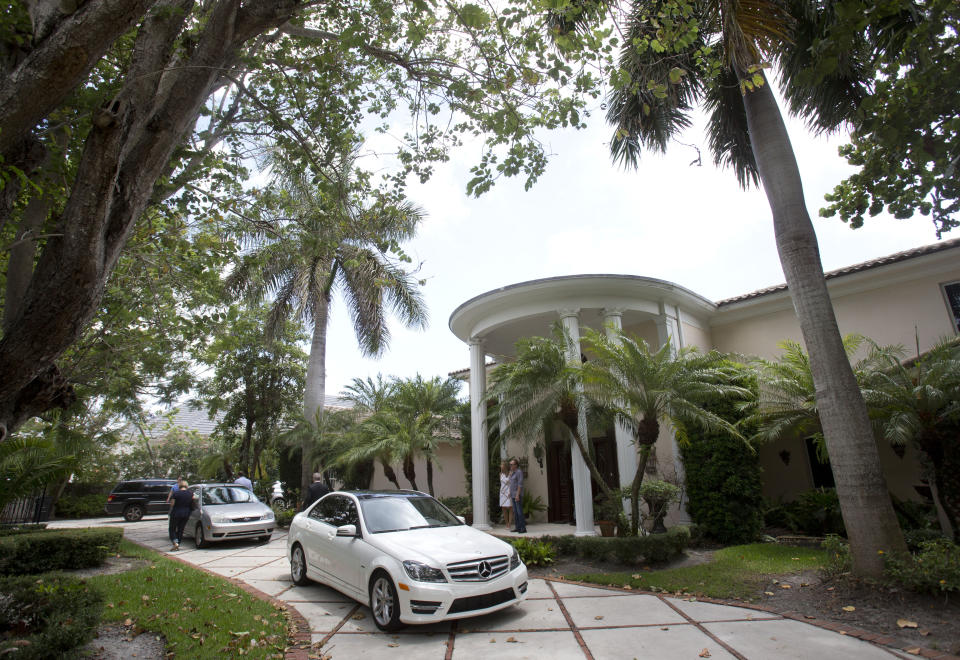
(652, 548)
(81, 506)
(26, 528)
(60, 549)
(46, 616)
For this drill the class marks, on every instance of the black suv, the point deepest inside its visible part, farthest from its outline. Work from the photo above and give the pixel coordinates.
(137, 498)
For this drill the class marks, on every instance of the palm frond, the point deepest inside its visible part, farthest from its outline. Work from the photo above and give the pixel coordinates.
(727, 129)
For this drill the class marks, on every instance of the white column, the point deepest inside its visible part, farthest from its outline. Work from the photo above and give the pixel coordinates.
(668, 329)
(626, 450)
(478, 433)
(582, 491)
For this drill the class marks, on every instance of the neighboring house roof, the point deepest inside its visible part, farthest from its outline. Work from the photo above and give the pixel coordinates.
(855, 268)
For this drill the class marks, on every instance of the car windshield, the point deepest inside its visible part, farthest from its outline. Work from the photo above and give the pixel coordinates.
(227, 495)
(398, 514)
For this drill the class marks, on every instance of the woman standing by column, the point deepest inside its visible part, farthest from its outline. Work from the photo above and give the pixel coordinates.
(506, 505)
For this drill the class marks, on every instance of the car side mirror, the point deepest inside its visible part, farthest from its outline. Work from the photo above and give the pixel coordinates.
(462, 519)
(347, 530)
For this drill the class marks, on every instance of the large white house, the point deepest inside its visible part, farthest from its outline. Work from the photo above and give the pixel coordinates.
(910, 298)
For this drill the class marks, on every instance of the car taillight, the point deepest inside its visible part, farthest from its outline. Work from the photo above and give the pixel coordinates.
(110, 498)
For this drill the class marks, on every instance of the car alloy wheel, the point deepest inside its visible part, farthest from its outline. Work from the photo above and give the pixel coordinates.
(133, 513)
(298, 567)
(198, 536)
(384, 603)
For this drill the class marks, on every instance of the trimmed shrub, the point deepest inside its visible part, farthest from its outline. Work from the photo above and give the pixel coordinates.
(81, 506)
(653, 548)
(26, 528)
(51, 550)
(723, 483)
(46, 616)
(460, 504)
(284, 516)
(935, 569)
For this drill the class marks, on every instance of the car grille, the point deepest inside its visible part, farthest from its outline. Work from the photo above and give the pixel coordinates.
(247, 519)
(481, 602)
(478, 570)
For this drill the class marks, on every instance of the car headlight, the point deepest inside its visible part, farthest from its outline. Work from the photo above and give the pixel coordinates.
(219, 520)
(514, 559)
(267, 516)
(422, 572)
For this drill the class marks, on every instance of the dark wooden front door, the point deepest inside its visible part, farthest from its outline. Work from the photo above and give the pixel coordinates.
(560, 482)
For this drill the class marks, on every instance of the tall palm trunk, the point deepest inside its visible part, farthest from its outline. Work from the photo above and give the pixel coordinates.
(410, 471)
(315, 388)
(390, 473)
(430, 477)
(862, 490)
(644, 455)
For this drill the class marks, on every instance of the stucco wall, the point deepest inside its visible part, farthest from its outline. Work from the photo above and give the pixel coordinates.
(448, 475)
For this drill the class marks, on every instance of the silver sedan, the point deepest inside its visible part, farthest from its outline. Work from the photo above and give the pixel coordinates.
(227, 511)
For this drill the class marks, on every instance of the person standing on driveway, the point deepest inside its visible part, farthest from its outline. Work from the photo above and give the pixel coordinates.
(516, 495)
(506, 504)
(182, 501)
(315, 491)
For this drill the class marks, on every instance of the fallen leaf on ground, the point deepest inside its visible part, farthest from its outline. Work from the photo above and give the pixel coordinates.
(786, 586)
(809, 616)
(914, 651)
(358, 616)
(493, 641)
(849, 608)
(393, 645)
(598, 617)
(705, 653)
(906, 623)
(512, 640)
(924, 632)
(768, 593)
(635, 576)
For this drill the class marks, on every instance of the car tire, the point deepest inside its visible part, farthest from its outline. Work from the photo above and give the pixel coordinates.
(133, 512)
(198, 538)
(298, 567)
(384, 602)
(264, 539)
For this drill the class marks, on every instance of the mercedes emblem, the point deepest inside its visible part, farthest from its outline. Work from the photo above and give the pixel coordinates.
(484, 569)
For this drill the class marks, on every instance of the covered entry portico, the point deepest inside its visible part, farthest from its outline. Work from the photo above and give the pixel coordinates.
(493, 322)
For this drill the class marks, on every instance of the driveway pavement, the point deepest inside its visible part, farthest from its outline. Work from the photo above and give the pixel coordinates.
(559, 620)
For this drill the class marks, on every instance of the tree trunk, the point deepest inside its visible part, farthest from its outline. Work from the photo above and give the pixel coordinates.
(861, 487)
(430, 477)
(315, 388)
(390, 474)
(410, 471)
(588, 459)
(128, 148)
(635, 489)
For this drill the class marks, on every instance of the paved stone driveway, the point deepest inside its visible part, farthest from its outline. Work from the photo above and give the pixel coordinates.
(558, 621)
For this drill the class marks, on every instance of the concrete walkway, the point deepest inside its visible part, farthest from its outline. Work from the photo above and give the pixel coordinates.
(558, 621)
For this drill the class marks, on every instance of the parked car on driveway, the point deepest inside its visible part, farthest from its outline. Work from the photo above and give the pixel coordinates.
(227, 511)
(137, 498)
(405, 555)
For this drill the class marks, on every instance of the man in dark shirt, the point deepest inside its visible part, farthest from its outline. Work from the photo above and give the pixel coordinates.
(516, 495)
(182, 500)
(315, 491)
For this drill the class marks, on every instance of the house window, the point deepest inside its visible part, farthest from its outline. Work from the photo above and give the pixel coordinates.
(951, 292)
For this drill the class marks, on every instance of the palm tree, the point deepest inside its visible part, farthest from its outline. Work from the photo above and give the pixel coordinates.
(787, 405)
(648, 388)
(918, 401)
(538, 387)
(332, 237)
(369, 397)
(673, 59)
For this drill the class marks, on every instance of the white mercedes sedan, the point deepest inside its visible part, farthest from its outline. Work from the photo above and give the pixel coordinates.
(405, 555)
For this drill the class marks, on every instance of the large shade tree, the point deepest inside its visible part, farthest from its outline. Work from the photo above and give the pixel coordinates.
(329, 238)
(681, 53)
(109, 108)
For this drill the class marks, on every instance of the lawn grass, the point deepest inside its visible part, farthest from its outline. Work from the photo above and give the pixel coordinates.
(200, 615)
(737, 572)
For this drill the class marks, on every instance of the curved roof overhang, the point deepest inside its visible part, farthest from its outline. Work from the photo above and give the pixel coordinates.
(502, 316)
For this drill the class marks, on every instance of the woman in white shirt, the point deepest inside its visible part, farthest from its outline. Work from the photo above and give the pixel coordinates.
(506, 506)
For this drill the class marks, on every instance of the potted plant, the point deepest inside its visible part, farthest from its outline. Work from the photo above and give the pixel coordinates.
(606, 511)
(658, 495)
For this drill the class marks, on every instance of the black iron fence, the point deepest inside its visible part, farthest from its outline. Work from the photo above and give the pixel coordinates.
(33, 508)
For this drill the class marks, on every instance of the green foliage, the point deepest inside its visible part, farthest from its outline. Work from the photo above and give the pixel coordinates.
(724, 484)
(27, 463)
(199, 615)
(818, 513)
(739, 572)
(81, 506)
(535, 552)
(629, 550)
(284, 516)
(530, 504)
(51, 550)
(905, 139)
(46, 616)
(838, 556)
(28, 528)
(934, 568)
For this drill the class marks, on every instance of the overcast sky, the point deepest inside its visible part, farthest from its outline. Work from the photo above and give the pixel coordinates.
(689, 225)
